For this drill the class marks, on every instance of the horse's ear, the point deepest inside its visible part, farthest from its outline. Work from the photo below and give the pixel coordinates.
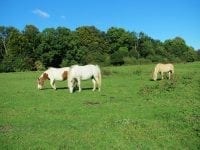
(45, 76)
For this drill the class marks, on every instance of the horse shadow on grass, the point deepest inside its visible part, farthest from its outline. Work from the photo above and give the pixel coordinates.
(58, 88)
(83, 89)
(66, 88)
(159, 79)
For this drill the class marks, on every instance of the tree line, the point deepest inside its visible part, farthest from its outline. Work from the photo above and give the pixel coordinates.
(31, 49)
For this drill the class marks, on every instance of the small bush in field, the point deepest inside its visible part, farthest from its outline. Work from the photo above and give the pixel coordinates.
(106, 72)
(137, 72)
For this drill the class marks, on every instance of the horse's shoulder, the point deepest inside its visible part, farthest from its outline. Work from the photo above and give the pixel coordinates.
(51, 68)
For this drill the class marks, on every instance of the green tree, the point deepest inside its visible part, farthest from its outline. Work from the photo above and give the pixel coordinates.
(146, 45)
(91, 45)
(176, 47)
(3, 41)
(50, 49)
(190, 55)
(118, 37)
(31, 33)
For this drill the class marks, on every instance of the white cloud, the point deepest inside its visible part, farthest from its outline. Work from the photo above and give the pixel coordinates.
(41, 13)
(63, 17)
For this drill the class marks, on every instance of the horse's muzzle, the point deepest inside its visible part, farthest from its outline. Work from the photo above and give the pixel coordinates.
(39, 87)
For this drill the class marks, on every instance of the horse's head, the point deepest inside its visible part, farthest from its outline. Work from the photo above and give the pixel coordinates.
(154, 77)
(40, 83)
(72, 84)
(41, 79)
(154, 74)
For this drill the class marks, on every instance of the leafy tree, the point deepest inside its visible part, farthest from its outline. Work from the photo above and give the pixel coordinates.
(92, 44)
(190, 55)
(31, 33)
(50, 48)
(3, 41)
(118, 37)
(117, 58)
(176, 47)
(146, 45)
(198, 54)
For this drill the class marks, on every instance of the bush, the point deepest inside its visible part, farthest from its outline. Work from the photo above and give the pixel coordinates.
(39, 66)
(106, 72)
(23, 64)
(116, 59)
(64, 63)
(144, 61)
(130, 61)
(7, 65)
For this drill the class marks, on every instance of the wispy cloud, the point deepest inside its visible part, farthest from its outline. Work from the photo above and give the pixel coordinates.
(41, 13)
(63, 17)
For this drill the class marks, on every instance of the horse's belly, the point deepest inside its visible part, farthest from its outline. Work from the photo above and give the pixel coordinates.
(85, 77)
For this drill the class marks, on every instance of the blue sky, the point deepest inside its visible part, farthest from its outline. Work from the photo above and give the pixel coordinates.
(160, 19)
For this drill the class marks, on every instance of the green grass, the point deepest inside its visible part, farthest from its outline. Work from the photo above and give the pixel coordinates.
(131, 111)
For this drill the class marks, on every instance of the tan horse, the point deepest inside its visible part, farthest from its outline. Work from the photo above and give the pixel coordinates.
(163, 68)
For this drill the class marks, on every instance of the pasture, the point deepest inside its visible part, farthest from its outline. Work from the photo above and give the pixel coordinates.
(130, 112)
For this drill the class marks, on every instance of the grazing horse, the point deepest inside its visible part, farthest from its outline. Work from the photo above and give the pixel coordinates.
(78, 73)
(163, 68)
(53, 74)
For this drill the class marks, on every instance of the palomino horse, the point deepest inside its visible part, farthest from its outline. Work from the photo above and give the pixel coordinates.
(163, 68)
(53, 74)
(78, 73)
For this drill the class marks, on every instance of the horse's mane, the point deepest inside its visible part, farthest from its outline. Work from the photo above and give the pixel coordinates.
(74, 66)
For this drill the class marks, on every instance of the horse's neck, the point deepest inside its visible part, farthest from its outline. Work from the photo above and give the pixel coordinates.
(45, 76)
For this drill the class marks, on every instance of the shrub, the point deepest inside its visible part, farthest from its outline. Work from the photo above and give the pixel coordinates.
(144, 61)
(6, 65)
(106, 72)
(39, 66)
(130, 61)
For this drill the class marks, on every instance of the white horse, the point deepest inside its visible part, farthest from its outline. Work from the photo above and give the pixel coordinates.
(163, 68)
(78, 73)
(53, 74)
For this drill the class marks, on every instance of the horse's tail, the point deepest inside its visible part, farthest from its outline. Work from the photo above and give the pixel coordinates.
(99, 77)
(172, 69)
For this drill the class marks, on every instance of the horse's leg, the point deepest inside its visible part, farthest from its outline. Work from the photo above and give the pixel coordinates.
(162, 75)
(169, 75)
(79, 84)
(52, 82)
(98, 82)
(94, 84)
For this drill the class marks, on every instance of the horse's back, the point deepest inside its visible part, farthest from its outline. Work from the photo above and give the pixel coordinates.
(57, 73)
(164, 67)
(84, 72)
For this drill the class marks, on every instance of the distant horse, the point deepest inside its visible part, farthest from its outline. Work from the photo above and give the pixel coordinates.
(78, 73)
(53, 74)
(163, 68)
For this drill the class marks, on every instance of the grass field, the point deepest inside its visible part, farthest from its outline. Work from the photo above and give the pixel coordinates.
(131, 111)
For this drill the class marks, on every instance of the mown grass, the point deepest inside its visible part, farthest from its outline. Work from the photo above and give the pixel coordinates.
(131, 111)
